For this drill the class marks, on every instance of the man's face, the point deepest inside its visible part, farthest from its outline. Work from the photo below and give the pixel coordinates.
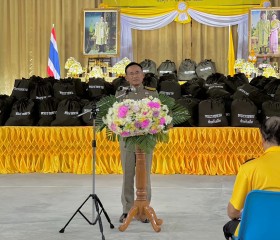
(263, 17)
(134, 75)
(101, 19)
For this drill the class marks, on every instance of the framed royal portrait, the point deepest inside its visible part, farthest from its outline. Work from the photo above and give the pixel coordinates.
(101, 33)
(264, 31)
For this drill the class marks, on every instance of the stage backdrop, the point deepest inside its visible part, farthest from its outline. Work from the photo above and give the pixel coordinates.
(26, 25)
(157, 14)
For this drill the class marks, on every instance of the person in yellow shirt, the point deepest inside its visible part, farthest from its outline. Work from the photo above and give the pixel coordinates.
(258, 174)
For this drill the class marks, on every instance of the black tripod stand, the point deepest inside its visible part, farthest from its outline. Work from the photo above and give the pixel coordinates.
(97, 205)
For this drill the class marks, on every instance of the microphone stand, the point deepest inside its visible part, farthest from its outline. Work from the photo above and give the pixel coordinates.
(97, 205)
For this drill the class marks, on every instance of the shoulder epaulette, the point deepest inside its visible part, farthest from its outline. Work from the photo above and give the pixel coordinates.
(249, 160)
(150, 88)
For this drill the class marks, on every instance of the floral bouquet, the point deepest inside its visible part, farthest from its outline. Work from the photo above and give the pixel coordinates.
(269, 71)
(119, 67)
(143, 122)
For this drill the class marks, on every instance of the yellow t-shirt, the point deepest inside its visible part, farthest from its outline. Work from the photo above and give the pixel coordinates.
(262, 173)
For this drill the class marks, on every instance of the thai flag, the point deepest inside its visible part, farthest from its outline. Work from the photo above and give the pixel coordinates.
(53, 62)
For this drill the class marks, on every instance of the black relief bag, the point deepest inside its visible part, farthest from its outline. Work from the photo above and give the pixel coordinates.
(191, 104)
(236, 81)
(21, 89)
(149, 66)
(47, 111)
(67, 112)
(277, 94)
(40, 89)
(244, 113)
(150, 80)
(193, 89)
(270, 108)
(65, 88)
(271, 87)
(244, 91)
(24, 113)
(211, 113)
(186, 70)
(5, 106)
(205, 68)
(218, 93)
(259, 82)
(89, 110)
(96, 88)
(119, 82)
(170, 88)
(167, 67)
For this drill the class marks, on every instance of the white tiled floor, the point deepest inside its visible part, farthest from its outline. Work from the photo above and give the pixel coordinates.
(37, 206)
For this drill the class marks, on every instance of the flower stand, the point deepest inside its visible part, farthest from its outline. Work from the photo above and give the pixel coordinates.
(141, 209)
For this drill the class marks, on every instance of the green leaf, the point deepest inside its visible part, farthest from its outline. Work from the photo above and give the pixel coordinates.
(178, 112)
(168, 101)
(111, 136)
(145, 142)
(103, 107)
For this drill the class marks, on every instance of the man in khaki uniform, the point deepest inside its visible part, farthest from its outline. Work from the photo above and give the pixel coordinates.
(135, 76)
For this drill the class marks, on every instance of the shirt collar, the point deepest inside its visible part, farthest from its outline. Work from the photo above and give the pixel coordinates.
(273, 149)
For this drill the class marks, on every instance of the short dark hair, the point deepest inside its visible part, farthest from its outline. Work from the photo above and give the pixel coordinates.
(262, 12)
(270, 130)
(132, 64)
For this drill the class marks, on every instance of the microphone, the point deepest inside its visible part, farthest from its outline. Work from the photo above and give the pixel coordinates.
(127, 89)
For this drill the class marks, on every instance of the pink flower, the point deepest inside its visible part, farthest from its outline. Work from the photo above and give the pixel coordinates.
(162, 121)
(125, 134)
(153, 131)
(154, 105)
(113, 127)
(122, 111)
(145, 123)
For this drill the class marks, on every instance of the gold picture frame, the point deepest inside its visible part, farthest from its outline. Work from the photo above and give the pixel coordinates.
(101, 33)
(264, 31)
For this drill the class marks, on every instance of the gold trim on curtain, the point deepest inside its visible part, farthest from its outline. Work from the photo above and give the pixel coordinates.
(210, 151)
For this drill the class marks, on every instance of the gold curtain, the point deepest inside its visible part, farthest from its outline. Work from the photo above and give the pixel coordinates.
(26, 29)
(206, 151)
(26, 26)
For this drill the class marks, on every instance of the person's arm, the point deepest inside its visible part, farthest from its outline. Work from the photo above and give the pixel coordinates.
(232, 212)
(242, 187)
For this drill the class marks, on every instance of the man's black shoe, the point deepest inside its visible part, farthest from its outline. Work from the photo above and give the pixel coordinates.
(145, 220)
(123, 217)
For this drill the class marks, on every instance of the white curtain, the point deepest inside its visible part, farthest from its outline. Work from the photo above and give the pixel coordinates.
(225, 21)
(130, 22)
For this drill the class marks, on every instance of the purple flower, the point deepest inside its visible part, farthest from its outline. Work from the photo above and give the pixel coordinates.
(162, 121)
(137, 124)
(155, 113)
(145, 123)
(122, 111)
(154, 105)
